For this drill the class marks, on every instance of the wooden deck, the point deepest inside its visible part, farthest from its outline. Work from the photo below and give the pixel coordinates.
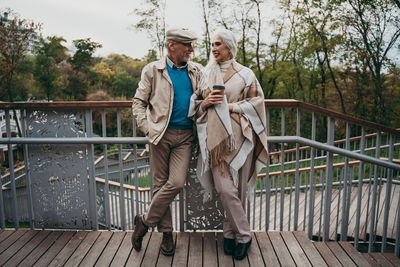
(113, 248)
(336, 208)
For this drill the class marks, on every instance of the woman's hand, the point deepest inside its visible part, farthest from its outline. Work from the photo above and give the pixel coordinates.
(213, 98)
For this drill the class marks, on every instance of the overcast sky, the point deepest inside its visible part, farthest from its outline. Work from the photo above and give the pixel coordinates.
(104, 21)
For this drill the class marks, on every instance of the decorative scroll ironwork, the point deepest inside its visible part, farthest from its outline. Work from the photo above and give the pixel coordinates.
(59, 173)
(201, 215)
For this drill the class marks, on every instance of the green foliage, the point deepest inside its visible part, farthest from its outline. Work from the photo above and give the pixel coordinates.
(50, 51)
(82, 57)
(16, 37)
(124, 85)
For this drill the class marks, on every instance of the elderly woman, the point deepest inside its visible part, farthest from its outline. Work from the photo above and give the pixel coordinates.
(229, 111)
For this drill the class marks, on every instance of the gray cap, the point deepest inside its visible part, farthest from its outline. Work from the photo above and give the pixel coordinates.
(180, 35)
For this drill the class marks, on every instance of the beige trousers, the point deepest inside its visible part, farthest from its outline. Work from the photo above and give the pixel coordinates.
(233, 200)
(169, 161)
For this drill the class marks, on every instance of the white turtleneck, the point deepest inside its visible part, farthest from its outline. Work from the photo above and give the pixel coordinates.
(224, 67)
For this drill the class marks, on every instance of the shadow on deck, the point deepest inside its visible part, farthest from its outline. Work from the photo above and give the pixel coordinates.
(113, 248)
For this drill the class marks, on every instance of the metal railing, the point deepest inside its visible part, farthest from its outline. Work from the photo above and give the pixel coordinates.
(331, 175)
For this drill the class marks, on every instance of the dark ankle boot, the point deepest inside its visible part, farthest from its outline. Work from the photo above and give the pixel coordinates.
(167, 244)
(241, 250)
(140, 231)
(229, 246)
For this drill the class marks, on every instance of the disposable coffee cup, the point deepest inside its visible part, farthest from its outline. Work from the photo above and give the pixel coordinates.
(220, 88)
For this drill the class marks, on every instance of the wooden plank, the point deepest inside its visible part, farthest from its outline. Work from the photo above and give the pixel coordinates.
(11, 239)
(254, 253)
(381, 192)
(242, 263)
(364, 219)
(312, 254)
(153, 249)
(135, 258)
(381, 260)
(340, 254)
(83, 248)
(316, 209)
(295, 250)
(111, 249)
(370, 260)
(5, 234)
(27, 248)
(166, 260)
(353, 196)
(354, 254)
(280, 249)
(392, 258)
(353, 220)
(195, 250)
(327, 254)
(123, 252)
(41, 249)
(335, 194)
(69, 249)
(267, 250)
(223, 259)
(96, 249)
(210, 250)
(17, 245)
(49, 255)
(181, 249)
(379, 230)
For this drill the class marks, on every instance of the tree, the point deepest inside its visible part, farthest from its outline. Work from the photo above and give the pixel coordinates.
(52, 47)
(16, 37)
(49, 51)
(124, 85)
(205, 7)
(322, 23)
(257, 29)
(47, 74)
(152, 21)
(373, 28)
(82, 57)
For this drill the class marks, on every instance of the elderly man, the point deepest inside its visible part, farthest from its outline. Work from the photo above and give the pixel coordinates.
(161, 105)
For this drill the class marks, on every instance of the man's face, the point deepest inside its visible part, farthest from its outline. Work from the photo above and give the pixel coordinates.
(181, 52)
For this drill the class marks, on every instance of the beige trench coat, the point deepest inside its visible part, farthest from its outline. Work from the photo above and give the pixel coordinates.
(152, 103)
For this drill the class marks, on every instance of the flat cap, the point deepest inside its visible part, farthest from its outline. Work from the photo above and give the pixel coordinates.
(180, 35)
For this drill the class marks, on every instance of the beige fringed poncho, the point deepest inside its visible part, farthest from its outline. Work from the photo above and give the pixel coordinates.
(226, 139)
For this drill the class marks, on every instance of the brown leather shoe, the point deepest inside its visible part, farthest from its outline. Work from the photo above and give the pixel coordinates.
(167, 244)
(140, 231)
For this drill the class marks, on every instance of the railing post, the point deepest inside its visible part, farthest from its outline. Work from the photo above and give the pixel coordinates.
(388, 194)
(346, 190)
(329, 178)
(374, 194)
(121, 175)
(267, 181)
(92, 179)
(360, 188)
(136, 177)
(282, 172)
(27, 172)
(12, 174)
(297, 175)
(106, 185)
(312, 180)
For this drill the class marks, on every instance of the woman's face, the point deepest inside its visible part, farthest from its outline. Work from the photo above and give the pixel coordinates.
(220, 50)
